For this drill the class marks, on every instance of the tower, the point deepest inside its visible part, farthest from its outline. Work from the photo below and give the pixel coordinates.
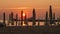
(9, 19)
(12, 19)
(50, 14)
(4, 17)
(25, 19)
(34, 17)
(54, 18)
(16, 19)
(21, 17)
(46, 18)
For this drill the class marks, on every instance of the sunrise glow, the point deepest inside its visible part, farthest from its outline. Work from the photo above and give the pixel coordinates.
(23, 14)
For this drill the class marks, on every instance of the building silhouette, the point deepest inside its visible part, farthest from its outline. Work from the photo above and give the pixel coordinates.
(34, 16)
(9, 19)
(53, 18)
(50, 14)
(4, 18)
(49, 18)
(19, 22)
(58, 20)
(16, 19)
(21, 17)
(25, 19)
(12, 19)
(46, 18)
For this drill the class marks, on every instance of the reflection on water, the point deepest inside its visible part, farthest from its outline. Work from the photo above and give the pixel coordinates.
(29, 23)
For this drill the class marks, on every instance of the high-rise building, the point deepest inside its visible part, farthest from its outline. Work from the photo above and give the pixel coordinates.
(25, 19)
(9, 18)
(21, 17)
(34, 16)
(50, 14)
(16, 19)
(54, 18)
(4, 17)
(12, 19)
(46, 18)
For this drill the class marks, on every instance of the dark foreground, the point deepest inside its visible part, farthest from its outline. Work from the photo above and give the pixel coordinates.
(30, 30)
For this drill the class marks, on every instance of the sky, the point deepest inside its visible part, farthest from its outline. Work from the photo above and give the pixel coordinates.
(28, 3)
(41, 6)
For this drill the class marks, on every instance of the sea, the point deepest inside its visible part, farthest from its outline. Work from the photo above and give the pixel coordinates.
(29, 23)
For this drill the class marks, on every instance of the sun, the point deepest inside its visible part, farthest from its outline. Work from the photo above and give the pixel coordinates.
(23, 14)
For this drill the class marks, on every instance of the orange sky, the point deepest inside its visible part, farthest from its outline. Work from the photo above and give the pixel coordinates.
(27, 5)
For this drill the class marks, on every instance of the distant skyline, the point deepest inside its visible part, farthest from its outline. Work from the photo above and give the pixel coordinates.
(41, 6)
